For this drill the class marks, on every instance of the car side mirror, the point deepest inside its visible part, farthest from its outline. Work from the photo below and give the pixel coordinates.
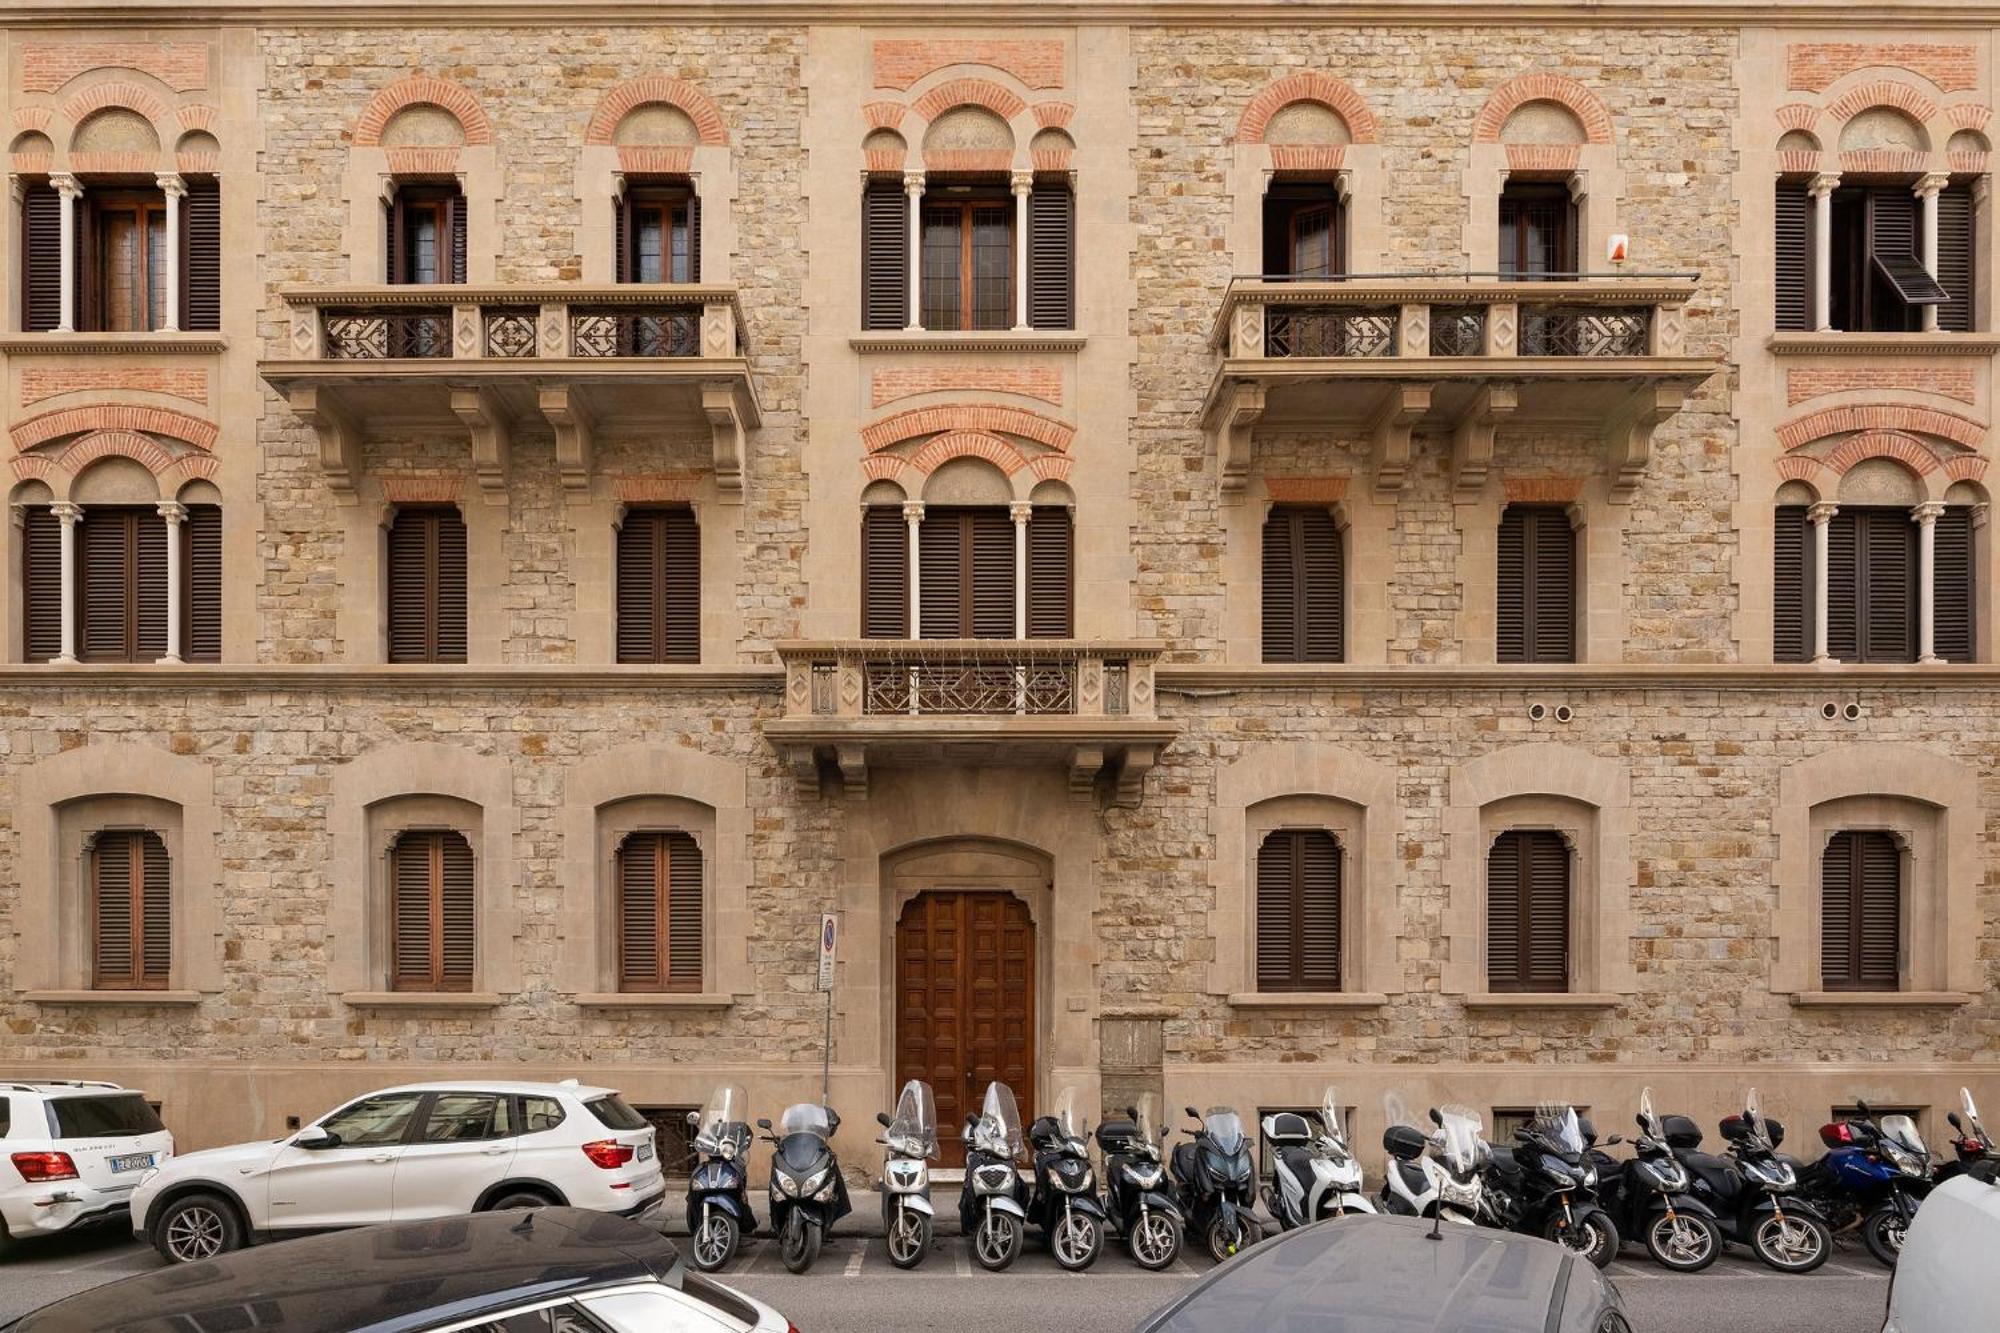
(882, 1119)
(764, 1125)
(312, 1136)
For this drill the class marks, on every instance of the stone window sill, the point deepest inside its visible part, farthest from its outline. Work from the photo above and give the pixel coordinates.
(1844, 342)
(1868, 999)
(114, 344)
(656, 1000)
(1542, 1000)
(998, 340)
(416, 999)
(136, 998)
(1304, 999)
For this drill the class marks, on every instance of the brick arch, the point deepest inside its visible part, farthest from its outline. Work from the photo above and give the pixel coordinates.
(969, 92)
(1543, 86)
(420, 90)
(884, 467)
(1968, 116)
(1306, 86)
(679, 93)
(1883, 92)
(141, 449)
(1906, 418)
(33, 467)
(985, 418)
(1908, 450)
(47, 426)
(968, 444)
(1965, 467)
(1799, 467)
(1798, 116)
(130, 96)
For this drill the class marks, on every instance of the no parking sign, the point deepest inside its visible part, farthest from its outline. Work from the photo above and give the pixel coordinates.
(827, 934)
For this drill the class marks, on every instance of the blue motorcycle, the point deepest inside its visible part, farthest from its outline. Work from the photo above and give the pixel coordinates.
(1872, 1178)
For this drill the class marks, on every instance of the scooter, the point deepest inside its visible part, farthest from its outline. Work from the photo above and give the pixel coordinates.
(909, 1142)
(1973, 1149)
(718, 1198)
(1753, 1191)
(1445, 1184)
(993, 1201)
(1064, 1204)
(1546, 1185)
(807, 1193)
(1213, 1178)
(1314, 1173)
(1135, 1194)
(1647, 1195)
(1872, 1178)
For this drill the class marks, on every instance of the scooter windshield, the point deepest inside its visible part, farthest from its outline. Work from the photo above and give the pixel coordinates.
(1069, 1112)
(1558, 1124)
(1753, 1119)
(1970, 1112)
(1333, 1116)
(1458, 1134)
(1904, 1131)
(805, 1118)
(1225, 1128)
(1649, 1120)
(913, 1129)
(1146, 1118)
(726, 1106)
(999, 1128)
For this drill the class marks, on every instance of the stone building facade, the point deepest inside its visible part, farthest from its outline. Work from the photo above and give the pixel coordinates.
(1044, 853)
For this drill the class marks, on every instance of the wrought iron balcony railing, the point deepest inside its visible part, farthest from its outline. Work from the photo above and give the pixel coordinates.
(970, 678)
(540, 323)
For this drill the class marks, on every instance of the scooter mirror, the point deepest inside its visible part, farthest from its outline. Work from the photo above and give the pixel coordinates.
(1132, 1112)
(764, 1125)
(694, 1119)
(1191, 1113)
(1862, 1107)
(1436, 1119)
(1951, 1118)
(1614, 1140)
(882, 1119)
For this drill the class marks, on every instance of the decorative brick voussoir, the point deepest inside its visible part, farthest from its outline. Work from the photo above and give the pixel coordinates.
(114, 164)
(1814, 66)
(967, 159)
(883, 467)
(181, 66)
(1798, 467)
(969, 92)
(1302, 157)
(1798, 116)
(1543, 86)
(421, 488)
(1965, 467)
(1542, 490)
(1307, 86)
(900, 62)
(664, 488)
(1884, 161)
(1041, 382)
(1882, 92)
(1968, 115)
(38, 384)
(423, 160)
(1305, 490)
(33, 467)
(1905, 417)
(979, 417)
(141, 449)
(422, 90)
(31, 118)
(655, 159)
(1945, 381)
(679, 93)
(1050, 467)
(1054, 115)
(196, 116)
(1905, 449)
(883, 115)
(968, 444)
(101, 95)
(1543, 156)
(113, 416)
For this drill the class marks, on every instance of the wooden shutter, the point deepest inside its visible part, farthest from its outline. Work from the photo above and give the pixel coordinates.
(659, 586)
(1956, 262)
(427, 586)
(1051, 258)
(1791, 558)
(1304, 587)
(1954, 586)
(131, 911)
(942, 574)
(1861, 912)
(659, 912)
(201, 254)
(433, 912)
(454, 212)
(41, 584)
(1536, 607)
(1794, 256)
(1298, 911)
(149, 574)
(885, 573)
(1843, 586)
(639, 912)
(122, 585)
(201, 630)
(395, 241)
(1527, 912)
(621, 238)
(990, 539)
(41, 258)
(1871, 585)
(885, 266)
(1050, 572)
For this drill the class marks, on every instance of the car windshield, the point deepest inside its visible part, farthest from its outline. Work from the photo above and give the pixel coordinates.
(1069, 1112)
(1649, 1120)
(1224, 1126)
(805, 1118)
(1558, 1124)
(999, 1128)
(913, 1129)
(1904, 1131)
(1333, 1116)
(726, 1106)
(1458, 1136)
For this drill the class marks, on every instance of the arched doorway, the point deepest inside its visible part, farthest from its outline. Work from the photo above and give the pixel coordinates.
(965, 1001)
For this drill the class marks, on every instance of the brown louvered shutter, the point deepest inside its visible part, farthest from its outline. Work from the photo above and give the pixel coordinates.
(122, 585)
(1861, 912)
(132, 911)
(1051, 573)
(1304, 590)
(660, 912)
(1954, 584)
(1536, 605)
(433, 915)
(41, 584)
(1298, 911)
(1527, 912)
(427, 585)
(41, 258)
(621, 238)
(659, 586)
(1051, 258)
(1511, 609)
(991, 539)
(1794, 257)
(1956, 262)
(1791, 559)
(457, 912)
(201, 632)
(454, 211)
(639, 912)
(1843, 586)
(201, 290)
(1871, 585)
(885, 268)
(885, 573)
(149, 580)
(684, 913)
(694, 238)
(394, 239)
(411, 928)
(942, 574)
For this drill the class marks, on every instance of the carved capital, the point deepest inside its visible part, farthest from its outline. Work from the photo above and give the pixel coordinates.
(173, 511)
(1927, 513)
(913, 183)
(913, 511)
(170, 183)
(1823, 184)
(67, 511)
(1822, 511)
(65, 184)
(1931, 184)
(1021, 182)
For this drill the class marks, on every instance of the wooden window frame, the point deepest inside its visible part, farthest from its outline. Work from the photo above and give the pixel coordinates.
(94, 313)
(1865, 607)
(137, 979)
(1515, 194)
(1296, 980)
(447, 202)
(1287, 200)
(664, 981)
(1524, 982)
(679, 209)
(1856, 978)
(433, 841)
(965, 206)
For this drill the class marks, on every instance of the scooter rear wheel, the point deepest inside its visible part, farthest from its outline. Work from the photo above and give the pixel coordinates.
(798, 1246)
(1685, 1242)
(1794, 1244)
(996, 1241)
(714, 1241)
(909, 1238)
(1882, 1232)
(1155, 1241)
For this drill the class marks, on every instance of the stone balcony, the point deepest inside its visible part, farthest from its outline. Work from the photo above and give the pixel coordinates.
(580, 359)
(1086, 704)
(1389, 354)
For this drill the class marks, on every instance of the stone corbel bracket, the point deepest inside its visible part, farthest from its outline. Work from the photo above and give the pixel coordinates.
(339, 437)
(563, 408)
(1230, 423)
(492, 437)
(732, 414)
(1472, 436)
(1389, 427)
(1629, 435)
(1085, 763)
(1133, 765)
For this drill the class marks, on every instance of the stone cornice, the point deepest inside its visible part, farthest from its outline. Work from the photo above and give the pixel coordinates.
(113, 344)
(999, 340)
(524, 293)
(287, 676)
(1836, 343)
(1199, 678)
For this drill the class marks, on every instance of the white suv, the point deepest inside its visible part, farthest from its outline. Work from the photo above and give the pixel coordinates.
(71, 1154)
(424, 1150)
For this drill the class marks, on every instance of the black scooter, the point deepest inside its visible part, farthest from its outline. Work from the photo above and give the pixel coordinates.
(1753, 1191)
(1973, 1150)
(807, 1193)
(1064, 1204)
(1647, 1195)
(1546, 1186)
(1135, 1187)
(718, 1197)
(1216, 1186)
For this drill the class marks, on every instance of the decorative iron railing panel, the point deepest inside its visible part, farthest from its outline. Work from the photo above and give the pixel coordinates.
(1458, 330)
(386, 335)
(1301, 331)
(511, 331)
(1585, 330)
(647, 333)
(920, 687)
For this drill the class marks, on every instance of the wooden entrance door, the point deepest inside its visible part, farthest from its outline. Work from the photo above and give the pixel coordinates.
(965, 1003)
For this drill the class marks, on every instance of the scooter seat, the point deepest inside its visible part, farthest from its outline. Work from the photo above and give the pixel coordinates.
(1503, 1162)
(1718, 1172)
(1183, 1163)
(1297, 1161)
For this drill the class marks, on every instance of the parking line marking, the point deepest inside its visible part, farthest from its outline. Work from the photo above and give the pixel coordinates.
(854, 1263)
(961, 1262)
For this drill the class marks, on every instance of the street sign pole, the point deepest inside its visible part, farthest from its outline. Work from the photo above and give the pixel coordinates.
(828, 934)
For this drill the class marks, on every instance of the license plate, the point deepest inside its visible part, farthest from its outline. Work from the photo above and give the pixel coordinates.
(646, 1152)
(137, 1161)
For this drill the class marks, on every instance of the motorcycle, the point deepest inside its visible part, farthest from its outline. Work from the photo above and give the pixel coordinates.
(1872, 1177)
(1446, 1184)
(1212, 1176)
(807, 1193)
(1135, 1197)
(909, 1142)
(1647, 1196)
(992, 1203)
(1974, 1151)
(718, 1198)
(1754, 1192)
(1064, 1203)
(1314, 1173)
(1546, 1185)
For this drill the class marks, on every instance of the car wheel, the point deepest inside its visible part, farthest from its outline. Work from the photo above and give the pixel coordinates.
(519, 1199)
(196, 1227)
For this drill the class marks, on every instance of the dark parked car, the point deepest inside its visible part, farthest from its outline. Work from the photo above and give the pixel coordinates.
(1387, 1275)
(549, 1270)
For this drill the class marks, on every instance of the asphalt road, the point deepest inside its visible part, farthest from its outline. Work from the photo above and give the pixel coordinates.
(854, 1289)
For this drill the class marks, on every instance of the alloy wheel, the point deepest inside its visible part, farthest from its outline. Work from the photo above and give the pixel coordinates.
(195, 1233)
(996, 1242)
(1155, 1241)
(1681, 1242)
(713, 1243)
(1795, 1244)
(907, 1238)
(1075, 1241)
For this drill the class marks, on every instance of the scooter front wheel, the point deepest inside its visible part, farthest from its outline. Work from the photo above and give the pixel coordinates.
(1075, 1241)
(1225, 1240)
(799, 1245)
(1882, 1233)
(1155, 1241)
(1683, 1242)
(1586, 1235)
(714, 1241)
(1793, 1244)
(909, 1238)
(996, 1241)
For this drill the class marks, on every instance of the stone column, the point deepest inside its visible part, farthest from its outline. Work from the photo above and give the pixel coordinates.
(175, 189)
(1821, 189)
(68, 192)
(913, 192)
(175, 514)
(70, 515)
(913, 519)
(1021, 511)
(1928, 188)
(1023, 182)
(1926, 516)
(1820, 515)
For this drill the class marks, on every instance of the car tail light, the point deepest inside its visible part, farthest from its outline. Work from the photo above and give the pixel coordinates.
(609, 1153)
(36, 1167)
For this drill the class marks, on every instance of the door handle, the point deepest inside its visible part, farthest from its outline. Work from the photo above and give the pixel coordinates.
(385, 1157)
(492, 1152)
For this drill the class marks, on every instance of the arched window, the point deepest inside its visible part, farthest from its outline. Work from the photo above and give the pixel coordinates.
(1298, 911)
(433, 891)
(1861, 912)
(659, 912)
(131, 910)
(1527, 911)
